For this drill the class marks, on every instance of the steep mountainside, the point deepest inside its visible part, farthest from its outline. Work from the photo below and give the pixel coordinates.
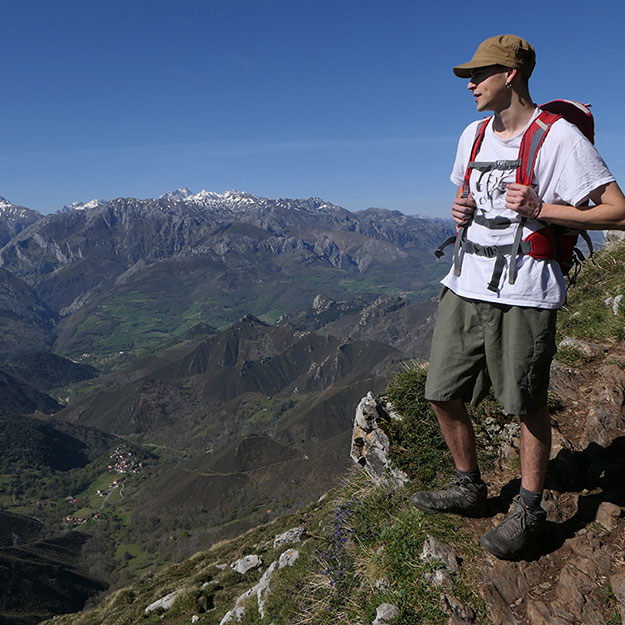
(28, 443)
(220, 382)
(46, 371)
(42, 579)
(17, 397)
(26, 323)
(224, 424)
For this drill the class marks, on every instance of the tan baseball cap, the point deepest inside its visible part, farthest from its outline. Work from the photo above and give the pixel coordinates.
(507, 50)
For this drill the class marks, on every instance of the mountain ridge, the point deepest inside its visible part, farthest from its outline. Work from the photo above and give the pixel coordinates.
(209, 258)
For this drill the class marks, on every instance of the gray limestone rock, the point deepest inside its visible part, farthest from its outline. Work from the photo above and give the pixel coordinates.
(370, 444)
(461, 612)
(434, 549)
(247, 563)
(164, 603)
(614, 236)
(591, 350)
(235, 614)
(262, 588)
(288, 558)
(614, 303)
(385, 613)
(294, 535)
(437, 579)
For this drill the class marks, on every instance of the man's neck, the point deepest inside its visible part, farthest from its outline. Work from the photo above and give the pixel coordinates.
(510, 121)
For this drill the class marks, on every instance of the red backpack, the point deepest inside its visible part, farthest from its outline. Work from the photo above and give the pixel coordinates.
(551, 242)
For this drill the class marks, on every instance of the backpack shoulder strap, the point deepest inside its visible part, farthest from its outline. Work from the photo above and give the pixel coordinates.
(530, 144)
(477, 142)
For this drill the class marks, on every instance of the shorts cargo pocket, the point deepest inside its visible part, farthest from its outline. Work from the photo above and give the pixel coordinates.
(538, 373)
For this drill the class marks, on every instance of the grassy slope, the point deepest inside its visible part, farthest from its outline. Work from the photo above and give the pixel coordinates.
(361, 550)
(588, 314)
(333, 581)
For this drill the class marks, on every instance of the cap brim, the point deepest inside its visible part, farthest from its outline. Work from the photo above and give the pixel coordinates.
(464, 70)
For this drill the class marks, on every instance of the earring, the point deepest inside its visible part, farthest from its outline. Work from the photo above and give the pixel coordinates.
(508, 85)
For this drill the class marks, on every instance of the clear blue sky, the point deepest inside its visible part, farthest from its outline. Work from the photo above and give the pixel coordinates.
(353, 101)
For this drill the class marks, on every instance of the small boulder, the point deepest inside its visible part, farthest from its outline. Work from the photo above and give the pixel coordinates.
(164, 603)
(385, 613)
(613, 236)
(288, 558)
(437, 579)
(608, 515)
(460, 612)
(294, 535)
(247, 563)
(590, 350)
(436, 550)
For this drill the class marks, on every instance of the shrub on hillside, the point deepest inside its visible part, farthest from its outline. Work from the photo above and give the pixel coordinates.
(417, 445)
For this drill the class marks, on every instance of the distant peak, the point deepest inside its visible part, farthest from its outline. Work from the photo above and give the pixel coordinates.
(183, 194)
(233, 193)
(179, 194)
(83, 206)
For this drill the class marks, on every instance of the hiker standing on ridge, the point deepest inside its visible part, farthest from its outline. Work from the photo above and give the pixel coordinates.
(497, 312)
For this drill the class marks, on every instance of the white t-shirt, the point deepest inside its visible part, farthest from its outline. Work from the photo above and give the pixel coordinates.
(568, 168)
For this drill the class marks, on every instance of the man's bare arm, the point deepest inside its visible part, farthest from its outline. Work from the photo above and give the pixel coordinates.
(608, 212)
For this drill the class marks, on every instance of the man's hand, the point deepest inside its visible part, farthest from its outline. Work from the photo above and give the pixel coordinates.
(523, 200)
(462, 209)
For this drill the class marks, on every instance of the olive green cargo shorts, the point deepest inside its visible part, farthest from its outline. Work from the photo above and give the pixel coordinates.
(479, 344)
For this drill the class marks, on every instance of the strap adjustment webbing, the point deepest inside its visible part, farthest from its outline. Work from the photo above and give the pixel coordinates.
(499, 253)
(496, 223)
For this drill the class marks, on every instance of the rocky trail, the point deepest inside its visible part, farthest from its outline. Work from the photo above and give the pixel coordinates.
(577, 575)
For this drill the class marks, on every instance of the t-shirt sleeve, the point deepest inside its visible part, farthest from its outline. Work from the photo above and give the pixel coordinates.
(462, 154)
(583, 172)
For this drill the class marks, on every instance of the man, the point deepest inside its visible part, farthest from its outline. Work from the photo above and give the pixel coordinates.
(497, 312)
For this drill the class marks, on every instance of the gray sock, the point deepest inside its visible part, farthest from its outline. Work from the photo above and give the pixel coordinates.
(474, 476)
(530, 499)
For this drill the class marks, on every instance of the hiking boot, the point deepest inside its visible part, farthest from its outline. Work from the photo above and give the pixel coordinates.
(461, 496)
(517, 534)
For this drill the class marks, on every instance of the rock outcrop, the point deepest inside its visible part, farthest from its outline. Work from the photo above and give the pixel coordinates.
(370, 443)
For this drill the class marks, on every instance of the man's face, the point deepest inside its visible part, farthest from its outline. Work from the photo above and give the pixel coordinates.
(488, 85)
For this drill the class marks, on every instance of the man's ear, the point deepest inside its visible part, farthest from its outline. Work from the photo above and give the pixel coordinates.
(510, 74)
